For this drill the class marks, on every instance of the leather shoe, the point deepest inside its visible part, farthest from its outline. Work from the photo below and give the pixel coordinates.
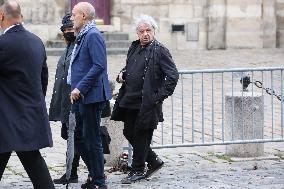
(63, 180)
(86, 184)
(133, 177)
(154, 167)
(93, 186)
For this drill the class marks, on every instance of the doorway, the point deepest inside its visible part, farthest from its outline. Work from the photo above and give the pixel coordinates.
(102, 8)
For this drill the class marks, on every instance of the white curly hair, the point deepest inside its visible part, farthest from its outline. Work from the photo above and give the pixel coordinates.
(145, 19)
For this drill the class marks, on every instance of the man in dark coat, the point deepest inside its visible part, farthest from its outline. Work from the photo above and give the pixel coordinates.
(149, 77)
(60, 105)
(24, 125)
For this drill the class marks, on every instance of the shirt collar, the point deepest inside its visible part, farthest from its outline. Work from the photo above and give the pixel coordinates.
(10, 27)
(148, 46)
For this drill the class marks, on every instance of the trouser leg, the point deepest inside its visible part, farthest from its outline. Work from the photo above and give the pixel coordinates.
(4, 158)
(36, 168)
(80, 148)
(91, 115)
(139, 139)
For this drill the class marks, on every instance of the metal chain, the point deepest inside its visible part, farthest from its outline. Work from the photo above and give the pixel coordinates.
(267, 90)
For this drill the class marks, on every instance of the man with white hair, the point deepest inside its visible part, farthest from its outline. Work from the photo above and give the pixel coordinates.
(149, 77)
(89, 88)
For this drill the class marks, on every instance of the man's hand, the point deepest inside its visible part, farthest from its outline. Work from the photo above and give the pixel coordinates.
(75, 95)
(119, 78)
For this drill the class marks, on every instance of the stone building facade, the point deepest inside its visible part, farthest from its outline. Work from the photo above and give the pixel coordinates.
(183, 24)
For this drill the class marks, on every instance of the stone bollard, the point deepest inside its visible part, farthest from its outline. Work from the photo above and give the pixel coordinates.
(118, 141)
(244, 117)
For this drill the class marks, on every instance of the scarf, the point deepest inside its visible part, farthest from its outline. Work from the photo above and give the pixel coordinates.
(79, 37)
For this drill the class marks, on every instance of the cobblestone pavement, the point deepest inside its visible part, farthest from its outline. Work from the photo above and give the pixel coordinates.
(195, 167)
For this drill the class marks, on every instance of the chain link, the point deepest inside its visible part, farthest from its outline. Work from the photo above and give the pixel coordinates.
(267, 90)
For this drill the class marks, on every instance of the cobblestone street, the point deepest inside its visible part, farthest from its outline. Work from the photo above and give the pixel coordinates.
(194, 167)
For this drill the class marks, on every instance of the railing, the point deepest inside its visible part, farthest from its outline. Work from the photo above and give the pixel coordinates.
(195, 113)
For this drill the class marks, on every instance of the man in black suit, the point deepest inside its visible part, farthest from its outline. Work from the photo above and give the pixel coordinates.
(24, 125)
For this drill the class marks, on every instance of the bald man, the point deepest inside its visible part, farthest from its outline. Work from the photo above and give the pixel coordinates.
(90, 88)
(24, 125)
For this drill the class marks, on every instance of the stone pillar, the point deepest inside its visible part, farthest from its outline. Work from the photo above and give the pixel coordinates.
(244, 121)
(118, 141)
(269, 23)
(244, 24)
(280, 23)
(216, 24)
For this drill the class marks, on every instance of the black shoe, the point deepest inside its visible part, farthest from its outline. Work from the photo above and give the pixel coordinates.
(93, 186)
(133, 177)
(86, 184)
(63, 180)
(154, 167)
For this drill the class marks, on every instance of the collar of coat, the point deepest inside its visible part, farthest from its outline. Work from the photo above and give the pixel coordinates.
(136, 44)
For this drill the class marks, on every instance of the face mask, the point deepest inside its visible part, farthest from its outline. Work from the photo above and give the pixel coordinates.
(69, 36)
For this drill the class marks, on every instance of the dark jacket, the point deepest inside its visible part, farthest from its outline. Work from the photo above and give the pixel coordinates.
(60, 104)
(24, 124)
(160, 81)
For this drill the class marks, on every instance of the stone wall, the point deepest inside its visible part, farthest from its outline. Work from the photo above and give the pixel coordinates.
(190, 13)
(43, 17)
(208, 24)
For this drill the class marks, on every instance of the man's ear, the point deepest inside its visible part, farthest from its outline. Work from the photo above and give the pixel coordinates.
(84, 16)
(1, 16)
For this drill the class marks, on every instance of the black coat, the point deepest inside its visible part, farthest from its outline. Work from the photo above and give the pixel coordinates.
(160, 81)
(24, 124)
(60, 104)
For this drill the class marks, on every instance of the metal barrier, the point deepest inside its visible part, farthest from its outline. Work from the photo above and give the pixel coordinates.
(195, 114)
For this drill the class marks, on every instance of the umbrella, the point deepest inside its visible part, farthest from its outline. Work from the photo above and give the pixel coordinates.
(70, 146)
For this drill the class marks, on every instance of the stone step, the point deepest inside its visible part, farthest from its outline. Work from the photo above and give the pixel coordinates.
(118, 44)
(55, 44)
(54, 51)
(110, 51)
(115, 36)
(117, 51)
(109, 44)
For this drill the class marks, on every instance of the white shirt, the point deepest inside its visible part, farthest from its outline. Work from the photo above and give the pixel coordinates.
(10, 27)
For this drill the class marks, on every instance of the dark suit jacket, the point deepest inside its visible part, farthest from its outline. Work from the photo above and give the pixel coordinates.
(24, 124)
(89, 68)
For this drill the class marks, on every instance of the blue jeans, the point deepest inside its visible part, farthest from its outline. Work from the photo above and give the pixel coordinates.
(91, 116)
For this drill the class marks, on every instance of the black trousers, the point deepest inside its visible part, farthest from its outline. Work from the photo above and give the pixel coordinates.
(34, 165)
(140, 139)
